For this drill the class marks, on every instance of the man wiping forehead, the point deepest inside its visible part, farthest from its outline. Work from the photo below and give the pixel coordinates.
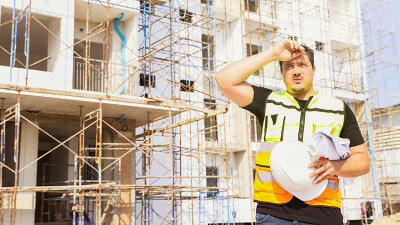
(294, 115)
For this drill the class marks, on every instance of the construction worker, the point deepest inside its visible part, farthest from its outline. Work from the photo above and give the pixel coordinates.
(294, 115)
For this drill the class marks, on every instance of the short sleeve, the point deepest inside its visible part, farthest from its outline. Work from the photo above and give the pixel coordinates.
(350, 129)
(257, 106)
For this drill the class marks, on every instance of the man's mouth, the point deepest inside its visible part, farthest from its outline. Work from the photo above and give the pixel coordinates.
(297, 79)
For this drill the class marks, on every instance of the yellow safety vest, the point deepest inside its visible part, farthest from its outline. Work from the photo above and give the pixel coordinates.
(285, 120)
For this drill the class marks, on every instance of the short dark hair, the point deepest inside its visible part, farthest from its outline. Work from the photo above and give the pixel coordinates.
(310, 54)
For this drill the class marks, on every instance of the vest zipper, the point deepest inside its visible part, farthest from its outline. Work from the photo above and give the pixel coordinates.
(302, 119)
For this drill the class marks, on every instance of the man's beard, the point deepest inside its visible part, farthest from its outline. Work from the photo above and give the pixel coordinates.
(298, 89)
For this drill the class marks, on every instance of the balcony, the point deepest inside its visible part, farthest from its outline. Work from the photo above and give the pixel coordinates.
(96, 80)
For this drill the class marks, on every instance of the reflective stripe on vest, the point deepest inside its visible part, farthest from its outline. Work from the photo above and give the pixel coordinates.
(265, 176)
(332, 184)
(266, 146)
(285, 120)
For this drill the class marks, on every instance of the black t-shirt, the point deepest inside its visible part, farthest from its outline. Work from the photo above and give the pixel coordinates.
(296, 209)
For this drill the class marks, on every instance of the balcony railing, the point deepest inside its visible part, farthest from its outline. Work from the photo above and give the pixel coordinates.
(95, 79)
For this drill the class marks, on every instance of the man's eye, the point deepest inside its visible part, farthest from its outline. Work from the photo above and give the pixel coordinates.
(289, 66)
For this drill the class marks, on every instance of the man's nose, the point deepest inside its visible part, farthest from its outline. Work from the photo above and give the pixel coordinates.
(296, 70)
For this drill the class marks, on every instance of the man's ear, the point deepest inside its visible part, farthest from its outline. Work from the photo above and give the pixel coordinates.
(313, 68)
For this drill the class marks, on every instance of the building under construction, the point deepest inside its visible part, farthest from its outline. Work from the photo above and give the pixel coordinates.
(110, 110)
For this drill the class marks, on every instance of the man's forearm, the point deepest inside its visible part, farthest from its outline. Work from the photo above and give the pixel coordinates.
(239, 71)
(231, 79)
(354, 166)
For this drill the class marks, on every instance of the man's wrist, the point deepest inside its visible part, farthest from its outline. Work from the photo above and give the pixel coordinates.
(270, 56)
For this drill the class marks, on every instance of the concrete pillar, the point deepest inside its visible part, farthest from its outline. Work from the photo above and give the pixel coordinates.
(74, 145)
(54, 44)
(29, 152)
(131, 35)
(242, 172)
(26, 201)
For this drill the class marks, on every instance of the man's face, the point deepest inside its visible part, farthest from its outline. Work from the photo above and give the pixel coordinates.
(298, 74)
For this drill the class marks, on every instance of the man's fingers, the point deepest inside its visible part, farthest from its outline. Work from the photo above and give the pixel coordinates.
(321, 163)
(316, 163)
(321, 178)
(296, 46)
(299, 47)
(291, 45)
(296, 54)
(317, 171)
(287, 44)
(323, 174)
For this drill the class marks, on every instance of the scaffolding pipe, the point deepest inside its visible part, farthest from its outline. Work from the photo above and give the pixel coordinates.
(364, 83)
(13, 42)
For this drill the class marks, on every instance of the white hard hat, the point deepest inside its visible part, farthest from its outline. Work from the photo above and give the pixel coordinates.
(289, 165)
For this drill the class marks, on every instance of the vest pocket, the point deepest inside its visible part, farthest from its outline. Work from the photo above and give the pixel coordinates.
(262, 161)
(275, 126)
(331, 128)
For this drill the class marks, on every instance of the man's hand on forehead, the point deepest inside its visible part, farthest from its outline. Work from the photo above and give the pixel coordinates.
(297, 60)
(293, 46)
(287, 50)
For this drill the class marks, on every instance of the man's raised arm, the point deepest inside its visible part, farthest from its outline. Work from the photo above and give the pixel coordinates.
(231, 79)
